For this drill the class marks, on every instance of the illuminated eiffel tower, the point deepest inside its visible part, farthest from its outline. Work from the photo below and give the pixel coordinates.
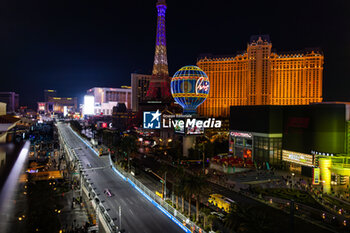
(159, 86)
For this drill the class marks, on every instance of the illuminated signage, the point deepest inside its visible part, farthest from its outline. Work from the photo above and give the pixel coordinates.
(190, 87)
(89, 105)
(202, 84)
(65, 111)
(152, 120)
(41, 106)
(240, 134)
(316, 175)
(299, 158)
(179, 128)
(321, 153)
(192, 123)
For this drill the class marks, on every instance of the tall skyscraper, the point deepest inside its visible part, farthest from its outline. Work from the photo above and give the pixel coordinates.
(259, 76)
(159, 89)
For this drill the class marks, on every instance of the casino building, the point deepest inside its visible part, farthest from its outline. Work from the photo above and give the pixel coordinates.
(298, 138)
(256, 133)
(259, 76)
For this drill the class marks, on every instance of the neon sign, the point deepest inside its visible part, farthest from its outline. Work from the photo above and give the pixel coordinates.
(240, 134)
(202, 84)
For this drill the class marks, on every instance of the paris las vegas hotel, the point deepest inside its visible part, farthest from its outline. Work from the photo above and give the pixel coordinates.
(259, 76)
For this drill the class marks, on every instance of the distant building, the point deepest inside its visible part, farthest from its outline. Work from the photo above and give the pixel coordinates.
(106, 98)
(42, 107)
(11, 99)
(256, 133)
(105, 108)
(293, 136)
(105, 95)
(2, 109)
(7, 122)
(57, 104)
(48, 94)
(139, 86)
(122, 117)
(25, 111)
(259, 76)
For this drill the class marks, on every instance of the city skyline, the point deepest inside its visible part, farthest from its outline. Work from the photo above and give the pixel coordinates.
(72, 48)
(251, 134)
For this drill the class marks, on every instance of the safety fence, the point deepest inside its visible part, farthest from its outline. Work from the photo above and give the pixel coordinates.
(177, 217)
(101, 212)
(182, 221)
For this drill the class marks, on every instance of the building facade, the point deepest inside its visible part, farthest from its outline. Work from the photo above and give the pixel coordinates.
(11, 99)
(105, 108)
(58, 104)
(139, 88)
(105, 95)
(122, 117)
(259, 76)
(256, 134)
(312, 140)
(49, 94)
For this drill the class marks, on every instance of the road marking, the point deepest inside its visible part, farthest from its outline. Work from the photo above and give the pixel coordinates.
(95, 168)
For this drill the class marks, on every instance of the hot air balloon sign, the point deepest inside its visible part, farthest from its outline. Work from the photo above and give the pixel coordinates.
(190, 87)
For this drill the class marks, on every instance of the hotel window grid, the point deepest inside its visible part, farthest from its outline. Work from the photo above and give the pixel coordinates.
(259, 76)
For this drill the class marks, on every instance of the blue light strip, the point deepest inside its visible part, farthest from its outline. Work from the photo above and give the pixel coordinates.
(121, 175)
(185, 229)
(84, 141)
(175, 220)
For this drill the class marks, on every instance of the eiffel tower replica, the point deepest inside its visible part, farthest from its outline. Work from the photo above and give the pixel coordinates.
(158, 95)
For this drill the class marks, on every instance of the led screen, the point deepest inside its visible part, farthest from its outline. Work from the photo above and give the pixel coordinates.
(89, 103)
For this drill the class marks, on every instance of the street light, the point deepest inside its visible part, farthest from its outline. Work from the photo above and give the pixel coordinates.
(165, 186)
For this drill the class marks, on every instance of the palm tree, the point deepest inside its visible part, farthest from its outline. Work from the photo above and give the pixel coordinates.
(240, 220)
(188, 191)
(259, 218)
(205, 212)
(235, 219)
(178, 186)
(127, 145)
(194, 185)
(211, 219)
(183, 194)
(199, 185)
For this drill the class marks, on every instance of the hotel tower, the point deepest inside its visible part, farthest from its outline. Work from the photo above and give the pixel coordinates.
(259, 76)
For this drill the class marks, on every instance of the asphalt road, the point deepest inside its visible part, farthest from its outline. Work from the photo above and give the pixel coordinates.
(138, 214)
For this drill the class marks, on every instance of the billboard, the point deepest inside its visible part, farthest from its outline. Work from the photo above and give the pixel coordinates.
(299, 158)
(65, 111)
(179, 128)
(194, 130)
(316, 175)
(89, 105)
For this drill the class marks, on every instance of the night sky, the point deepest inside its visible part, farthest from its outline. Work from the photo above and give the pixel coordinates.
(74, 45)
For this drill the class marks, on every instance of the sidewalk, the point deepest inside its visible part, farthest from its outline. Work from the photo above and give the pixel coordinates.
(73, 216)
